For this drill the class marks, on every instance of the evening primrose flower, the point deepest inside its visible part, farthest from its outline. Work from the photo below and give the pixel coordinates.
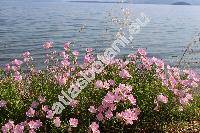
(41, 99)
(61, 80)
(67, 46)
(129, 115)
(132, 99)
(184, 101)
(92, 109)
(65, 63)
(2, 103)
(109, 98)
(35, 124)
(50, 114)
(73, 103)
(132, 57)
(17, 62)
(26, 56)
(99, 84)
(100, 116)
(30, 112)
(142, 52)
(162, 98)
(94, 127)
(111, 82)
(75, 53)
(106, 85)
(8, 126)
(124, 74)
(34, 104)
(18, 129)
(17, 76)
(73, 122)
(45, 108)
(48, 45)
(57, 121)
(109, 114)
(7, 68)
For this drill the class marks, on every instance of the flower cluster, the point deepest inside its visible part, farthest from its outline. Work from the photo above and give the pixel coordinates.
(125, 92)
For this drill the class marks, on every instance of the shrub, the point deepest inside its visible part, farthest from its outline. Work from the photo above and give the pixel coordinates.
(136, 94)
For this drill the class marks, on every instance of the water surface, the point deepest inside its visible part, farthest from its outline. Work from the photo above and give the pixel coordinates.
(25, 25)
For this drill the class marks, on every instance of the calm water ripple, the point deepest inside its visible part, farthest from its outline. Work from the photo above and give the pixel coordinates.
(26, 25)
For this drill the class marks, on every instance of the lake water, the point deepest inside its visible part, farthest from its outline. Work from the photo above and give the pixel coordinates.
(25, 25)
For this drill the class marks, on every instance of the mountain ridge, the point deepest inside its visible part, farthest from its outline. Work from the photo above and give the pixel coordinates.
(193, 2)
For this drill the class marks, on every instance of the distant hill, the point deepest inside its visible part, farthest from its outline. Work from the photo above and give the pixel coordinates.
(181, 3)
(192, 2)
(93, 1)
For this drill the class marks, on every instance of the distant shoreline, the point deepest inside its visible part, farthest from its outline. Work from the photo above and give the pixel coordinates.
(98, 1)
(181, 3)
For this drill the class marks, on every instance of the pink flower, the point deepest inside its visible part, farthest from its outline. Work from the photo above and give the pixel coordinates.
(41, 99)
(7, 127)
(35, 124)
(109, 114)
(124, 74)
(67, 46)
(65, 63)
(92, 109)
(129, 115)
(75, 53)
(32, 131)
(7, 68)
(63, 54)
(183, 101)
(17, 62)
(34, 104)
(94, 127)
(160, 64)
(48, 45)
(61, 80)
(106, 85)
(194, 84)
(73, 103)
(142, 52)
(99, 84)
(162, 98)
(18, 129)
(109, 98)
(57, 122)
(100, 117)
(73, 122)
(172, 81)
(17, 76)
(100, 108)
(14, 68)
(189, 96)
(132, 56)
(26, 54)
(3, 104)
(45, 108)
(30, 112)
(132, 99)
(111, 82)
(50, 114)
(87, 59)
